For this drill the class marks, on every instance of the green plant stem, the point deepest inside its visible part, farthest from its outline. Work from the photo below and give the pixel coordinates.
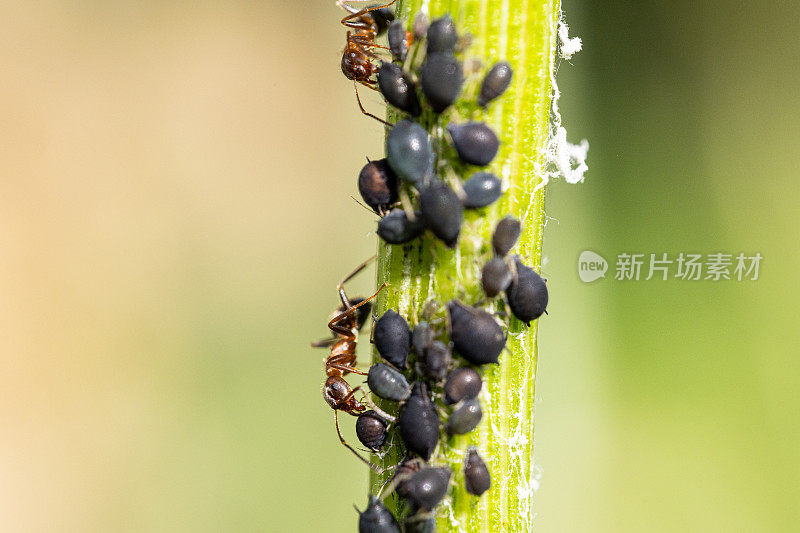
(523, 33)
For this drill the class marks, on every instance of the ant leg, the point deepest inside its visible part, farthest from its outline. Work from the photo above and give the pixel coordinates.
(342, 331)
(353, 14)
(346, 369)
(375, 468)
(350, 276)
(323, 343)
(358, 99)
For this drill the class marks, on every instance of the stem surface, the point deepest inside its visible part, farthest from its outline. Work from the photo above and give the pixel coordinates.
(523, 33)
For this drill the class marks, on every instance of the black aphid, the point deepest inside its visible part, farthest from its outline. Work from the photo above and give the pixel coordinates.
(465, 417)
(408, 149)
(403, 474)
(441, 78)
(495, 276)
(428, 486)
(387, 382)
(419, 422)
(462, 384)
(383, 17)
(392, 338)
(420, 26)
(376, 518)
(377, 184)
(435, 361)
(396, 228)
(527, 294)
(422, 337)
(420, 523)
(442, 35)
(495, 83)
(475, 142)
(371, 430)
(506, 235)
(398, 40)
(476, 476)
(398, 88)
(475, 334)
(482, 189)
(442, 211)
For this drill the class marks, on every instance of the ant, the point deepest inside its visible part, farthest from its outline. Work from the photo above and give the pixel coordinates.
(358, 54)
(346, 323)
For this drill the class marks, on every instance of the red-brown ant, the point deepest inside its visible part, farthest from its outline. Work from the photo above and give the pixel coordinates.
(358, 56)
(342, 360)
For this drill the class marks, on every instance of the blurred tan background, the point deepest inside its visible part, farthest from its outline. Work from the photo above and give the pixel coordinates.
(175, 212)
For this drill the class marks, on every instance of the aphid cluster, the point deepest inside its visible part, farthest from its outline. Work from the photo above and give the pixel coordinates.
(432, 372)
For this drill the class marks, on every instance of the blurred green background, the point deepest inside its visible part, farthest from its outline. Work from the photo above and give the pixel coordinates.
(175, 213)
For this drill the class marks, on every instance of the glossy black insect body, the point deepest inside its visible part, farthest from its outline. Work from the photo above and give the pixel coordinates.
(475, 334)
(396, 228)
(495, 83)
(377, 184)
(436, 361)
(527, 294)
(371, 430)
(475, 142)
(441, 78)
(409, 151)
(495, 276)
(392, 337)
(398, 88)
(428, 486)
(399, 39)
(462, 384)
(442, 35)
(419, 422)
(482, 189)
(442, 211)
(506, 235)
(420, 523)
(387, 383)
(465, 417)
(403, 474)
(476, 476)
(376, 518)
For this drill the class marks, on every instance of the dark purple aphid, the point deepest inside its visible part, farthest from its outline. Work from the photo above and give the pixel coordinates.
(376, 518)
(388, 383)
(495, 276)
(527, 294)
(398, 88)
(442, 211)
(403, 473)
(420, 523)
(441, 78)
(475, 142)
(436, 361)
(371, 430)
(382, 18)
(465, 417)
(409, 151)
(482, 189)
(475, 334)
(420, 26)
(442, 35)
(377, 184)
(462, 384)
(392, 338)
(428, 486)
(398, 39)
(419, 422)
(495, 83)
(506, 235)
(396, 228)
(422, 337)
(476, 476)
